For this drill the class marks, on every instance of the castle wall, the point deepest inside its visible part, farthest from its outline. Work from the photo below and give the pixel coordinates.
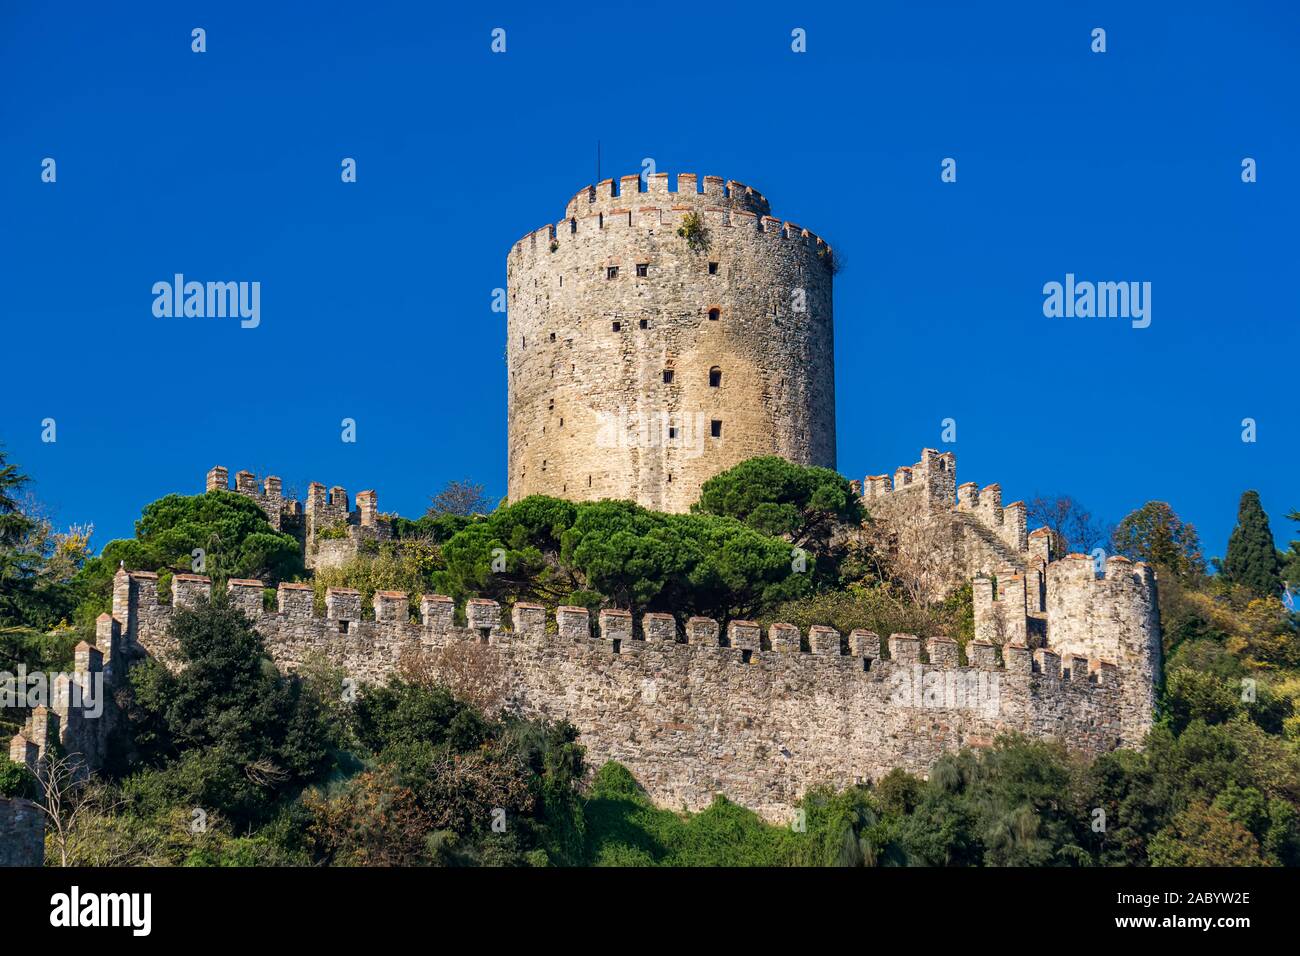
(78, 711)
(269, 497)
(590, 412)
(22, 833)
(694, 712)
(330, 532)
(975, 535)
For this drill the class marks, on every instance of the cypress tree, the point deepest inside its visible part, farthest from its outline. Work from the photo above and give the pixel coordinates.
(1252, 558)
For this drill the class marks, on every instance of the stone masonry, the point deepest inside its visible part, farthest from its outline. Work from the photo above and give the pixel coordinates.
(1062, 649)
(22, 833)
(640, 367)
(694, 711)
(964, 530)
(330, 532)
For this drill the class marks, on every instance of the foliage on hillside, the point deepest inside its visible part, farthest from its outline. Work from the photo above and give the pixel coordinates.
(38, 565)
(229, 762)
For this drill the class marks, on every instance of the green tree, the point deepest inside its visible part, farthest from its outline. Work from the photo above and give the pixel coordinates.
(778, 497)
(442, 775)
(230, 529)
(1155, 534)
(14, 524)
(37, 564)
(514, 553)
(1252, 560)
(1290, 561)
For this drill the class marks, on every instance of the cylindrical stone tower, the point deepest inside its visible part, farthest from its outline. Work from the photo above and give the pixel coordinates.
(642, 361)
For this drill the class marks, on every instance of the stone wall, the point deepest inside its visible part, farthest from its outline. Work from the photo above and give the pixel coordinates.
(1116, 616)
(625, 346)
(693, 711)
(22, 833)
(329, 531)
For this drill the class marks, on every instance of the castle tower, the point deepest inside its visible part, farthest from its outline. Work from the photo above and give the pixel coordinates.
(640, 363)
(1115, 617)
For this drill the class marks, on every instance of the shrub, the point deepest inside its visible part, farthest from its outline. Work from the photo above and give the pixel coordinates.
(694, 232)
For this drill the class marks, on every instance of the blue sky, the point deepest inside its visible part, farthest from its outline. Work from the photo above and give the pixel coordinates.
(376, 295)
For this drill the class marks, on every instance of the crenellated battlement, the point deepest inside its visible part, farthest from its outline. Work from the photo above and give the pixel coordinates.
(725, 225)
(75, 709)
(1063, 649)
(931, 480)
(328, 527)
(268, 495)
(692, 707)
(612, 315)
(1090, 610)
(394, 615)
(657, 189)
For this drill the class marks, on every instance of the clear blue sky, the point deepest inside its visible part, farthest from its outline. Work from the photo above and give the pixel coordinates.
(376, 296)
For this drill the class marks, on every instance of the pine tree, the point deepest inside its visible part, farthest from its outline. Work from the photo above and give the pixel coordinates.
(14, 524)
(1155, 534)
(1252, 558)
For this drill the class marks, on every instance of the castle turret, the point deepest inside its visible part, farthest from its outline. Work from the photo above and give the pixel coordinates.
(642, 361)
(1115, 618)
